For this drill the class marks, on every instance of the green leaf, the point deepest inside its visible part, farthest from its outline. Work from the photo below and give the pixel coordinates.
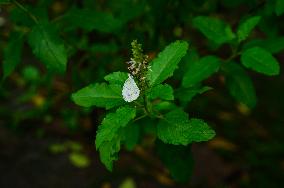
(200, 70)
(112, 123)
(109, 135)
(100, 95)
(74, 146)
(79, 160)
(5, 1)
(131, 135)
(186, 94)
(57, 148)
(178, 159)
(214, 29)
(175, 128)
(89, 20)
(48, 47)
(127, 9)
(164, 106)
(116, 78)
(279, 7)
(109, 152)
(164, 65)
(272, 45)
(31, 73)
(128, 183)
(12, 54)
(111, 47)
(185, 63)
(20, 17)
(148, 126)
(239, 84)
(246, 27)
(261, 61)
(164, 92)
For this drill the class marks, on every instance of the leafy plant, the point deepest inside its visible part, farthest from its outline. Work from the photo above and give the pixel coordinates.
(254, 57)
(147, 93)
(174, 127)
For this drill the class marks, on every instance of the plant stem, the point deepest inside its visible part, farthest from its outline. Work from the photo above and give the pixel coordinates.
(20, 6)
(146, 105)
(141, 117)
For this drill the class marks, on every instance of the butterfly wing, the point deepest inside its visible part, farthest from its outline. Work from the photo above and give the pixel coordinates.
(130, 90)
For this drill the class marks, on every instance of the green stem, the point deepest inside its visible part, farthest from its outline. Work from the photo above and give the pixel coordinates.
(146, 105)
(58, 18)
(20, 6)
(235, 53)
(141, 117)
(233, 56)
(138, 104)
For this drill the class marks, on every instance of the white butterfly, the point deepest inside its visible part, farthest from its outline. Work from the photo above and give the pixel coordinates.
(130, 90)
